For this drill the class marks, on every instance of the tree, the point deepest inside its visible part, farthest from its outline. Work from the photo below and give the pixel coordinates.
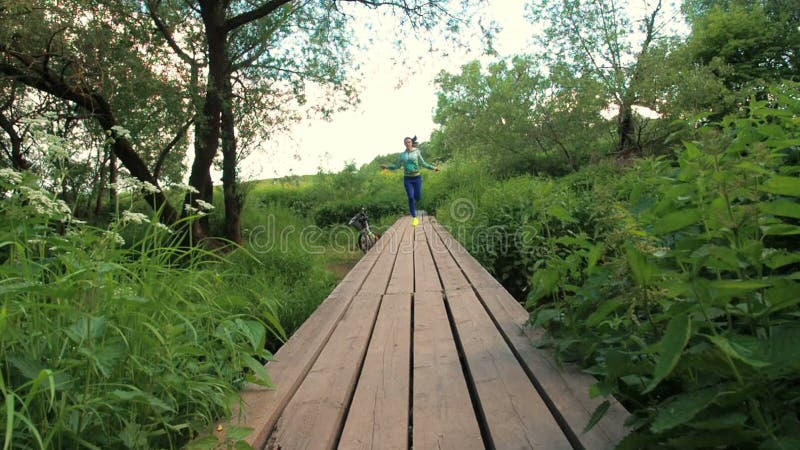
(523, 121)
(490, 114)
(747, 44)
(88, 61)
(211, 64)
(597, 39)
(280, 42)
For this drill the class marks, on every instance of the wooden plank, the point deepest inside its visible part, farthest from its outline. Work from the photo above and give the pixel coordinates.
(378, 417)
(442, 413)
(450, 273)
(567, 388)
(313, 417)
(355, 277)
(402, 280)
(261, 405)
(465, 261)
(378, 277)
(516, 416)
(426, 278)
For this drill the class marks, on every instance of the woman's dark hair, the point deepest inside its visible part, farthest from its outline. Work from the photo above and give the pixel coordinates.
(413, 140)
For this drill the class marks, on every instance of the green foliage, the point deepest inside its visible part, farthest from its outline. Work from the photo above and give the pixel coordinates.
(518, 226)
(606, 44)
(517, 121)
(331, 199)
(487, 112)
(744, 45)
(688, 310)
(291, 253)
(107, 344)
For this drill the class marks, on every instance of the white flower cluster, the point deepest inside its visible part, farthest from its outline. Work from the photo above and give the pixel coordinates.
(126, 183)
(139, 218)
(10, 176)
(121, 132)
(150, 188)
(134, 217)
(205, 206)
(113, 237)
(43, 204)
(163, 227)
(202, 209)
(186, 187)
(56, 148)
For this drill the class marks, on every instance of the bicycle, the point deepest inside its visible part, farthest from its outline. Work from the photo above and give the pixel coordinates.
(367, 237)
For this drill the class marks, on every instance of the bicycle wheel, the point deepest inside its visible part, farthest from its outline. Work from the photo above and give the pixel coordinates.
(366, 241)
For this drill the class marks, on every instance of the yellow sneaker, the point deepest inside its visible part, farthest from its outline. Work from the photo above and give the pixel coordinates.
(415, 222)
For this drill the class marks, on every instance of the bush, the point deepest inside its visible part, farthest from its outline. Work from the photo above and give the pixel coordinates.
(690, 319)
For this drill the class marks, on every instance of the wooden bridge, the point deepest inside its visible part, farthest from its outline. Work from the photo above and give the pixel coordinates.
(419, 347)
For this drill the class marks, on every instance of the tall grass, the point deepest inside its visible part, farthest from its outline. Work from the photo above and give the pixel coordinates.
(292, 255)
(108, 344)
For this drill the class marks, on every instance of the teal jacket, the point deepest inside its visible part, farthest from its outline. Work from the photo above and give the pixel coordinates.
(411, 162)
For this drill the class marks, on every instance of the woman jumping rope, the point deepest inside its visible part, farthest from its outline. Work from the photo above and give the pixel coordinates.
(411, 161)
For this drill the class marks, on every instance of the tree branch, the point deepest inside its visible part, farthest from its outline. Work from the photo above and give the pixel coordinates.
(162, 155)
(152, 6)
(585, 46)
(252, 15)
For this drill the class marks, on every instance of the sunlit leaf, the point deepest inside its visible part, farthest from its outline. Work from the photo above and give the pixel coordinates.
(544, 282)
(675, 338)
(88, 328)
(677, 220)
(260, 375)
(595, 253)
(206, 443)
(237, 433)
(598, 414)
(785, 294)
(682, 408)
(737, 287)
(544, 316)
(781, 207)
(781, 229)
(642, 267)
(782, 185)
(605, 308)
(780, 258)
(254, 331)
(744, 348)
(560, 212)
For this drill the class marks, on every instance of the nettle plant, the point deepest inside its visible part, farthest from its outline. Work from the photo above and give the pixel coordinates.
(716, 283)
(693, 322)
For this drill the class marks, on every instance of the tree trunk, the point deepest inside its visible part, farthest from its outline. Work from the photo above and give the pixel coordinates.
(100, 179)
(18, 161)
(625, 123)
(207, 129)
(233, 199)
(626, 146)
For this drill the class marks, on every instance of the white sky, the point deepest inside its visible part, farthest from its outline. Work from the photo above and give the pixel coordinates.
(393, 104)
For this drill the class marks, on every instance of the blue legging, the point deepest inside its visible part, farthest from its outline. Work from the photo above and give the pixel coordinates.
(414, 191)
